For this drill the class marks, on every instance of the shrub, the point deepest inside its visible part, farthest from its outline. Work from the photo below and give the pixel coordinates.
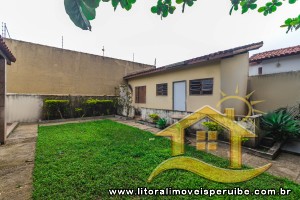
(96, 107)
(280, 125)
(212, 126)
(56, 108)
(161, 123)
(154, 117)
(79, 112)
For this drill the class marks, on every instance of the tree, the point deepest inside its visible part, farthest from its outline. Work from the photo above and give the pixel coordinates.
(81, 12)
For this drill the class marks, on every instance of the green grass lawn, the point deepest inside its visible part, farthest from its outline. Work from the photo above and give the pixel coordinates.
(84, 160)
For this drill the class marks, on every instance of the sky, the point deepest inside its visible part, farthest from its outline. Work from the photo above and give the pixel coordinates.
(204, 28)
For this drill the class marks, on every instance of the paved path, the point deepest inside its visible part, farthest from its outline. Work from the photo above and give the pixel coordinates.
(16, 163)
(17, 160)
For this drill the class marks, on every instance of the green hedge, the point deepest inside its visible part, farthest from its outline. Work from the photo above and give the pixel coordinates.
(59, 109)
(56, 109)
(96, 107)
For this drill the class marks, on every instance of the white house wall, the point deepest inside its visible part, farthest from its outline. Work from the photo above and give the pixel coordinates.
(286, 64)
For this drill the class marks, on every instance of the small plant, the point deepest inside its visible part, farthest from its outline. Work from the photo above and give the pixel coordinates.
(55, 107)
(154, 117)
(161, 123)
(79, 112)
(280, 125)
(212, 126)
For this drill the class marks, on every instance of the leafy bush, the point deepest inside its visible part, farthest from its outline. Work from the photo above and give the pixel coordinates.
(56, 108)
(280, 125)
(161, 123)
(154, 117)
(96, 107)
(212, 126)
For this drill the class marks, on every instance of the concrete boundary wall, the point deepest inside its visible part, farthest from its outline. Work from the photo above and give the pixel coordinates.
(29, 107)
(277, 90)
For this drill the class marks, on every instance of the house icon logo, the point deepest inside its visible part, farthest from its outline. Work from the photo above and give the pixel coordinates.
(237, 132)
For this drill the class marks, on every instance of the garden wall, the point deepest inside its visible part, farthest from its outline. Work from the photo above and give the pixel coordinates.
(43, 69)
(277, 90)
(29, 107)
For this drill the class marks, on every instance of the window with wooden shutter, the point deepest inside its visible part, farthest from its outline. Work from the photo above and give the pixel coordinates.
(162, 89)
(140, 94)
(201, 86)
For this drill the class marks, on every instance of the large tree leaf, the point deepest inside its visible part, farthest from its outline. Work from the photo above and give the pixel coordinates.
(92, 3)
(75, 13)
(89, 13)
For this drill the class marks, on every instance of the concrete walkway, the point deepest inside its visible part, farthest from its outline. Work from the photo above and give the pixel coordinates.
(17, 160)
(16, 163)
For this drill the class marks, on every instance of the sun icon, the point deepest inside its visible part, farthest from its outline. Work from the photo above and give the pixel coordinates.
(250, 104)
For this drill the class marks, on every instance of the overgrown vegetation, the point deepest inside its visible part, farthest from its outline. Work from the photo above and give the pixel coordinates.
(84, 160)
(280, 125)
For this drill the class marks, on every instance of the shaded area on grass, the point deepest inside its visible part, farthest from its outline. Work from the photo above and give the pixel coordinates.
(83, 161)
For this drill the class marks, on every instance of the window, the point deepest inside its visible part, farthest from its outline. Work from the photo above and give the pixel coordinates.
(162, 89)
(140, 94)
(201, 86)
(260, 70)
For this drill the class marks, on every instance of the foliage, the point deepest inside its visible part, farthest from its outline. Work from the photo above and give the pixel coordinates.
(81, 12)
(161, 123)
(55, 107)
(154, 117)
(280, 125)
(85, 160)
(294, 111)
(77, 107)
(212, 126)
(96, 107)
(269, 8)
(79, 112)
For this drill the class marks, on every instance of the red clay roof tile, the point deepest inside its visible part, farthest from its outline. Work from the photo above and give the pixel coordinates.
(275, 53)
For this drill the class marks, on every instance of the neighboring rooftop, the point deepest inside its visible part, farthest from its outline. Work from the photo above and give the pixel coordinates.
(6, 52)
(210, 57)
(289, 51)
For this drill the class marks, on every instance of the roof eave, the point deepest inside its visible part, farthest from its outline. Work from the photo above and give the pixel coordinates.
(202, 59)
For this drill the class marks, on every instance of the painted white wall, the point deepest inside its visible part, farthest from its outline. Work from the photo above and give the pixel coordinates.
(286, 64)
(23, 108)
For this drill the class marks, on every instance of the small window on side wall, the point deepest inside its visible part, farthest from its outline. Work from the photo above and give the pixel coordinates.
(260, 70)
(162, 89)
(140, 94)
(201, 86)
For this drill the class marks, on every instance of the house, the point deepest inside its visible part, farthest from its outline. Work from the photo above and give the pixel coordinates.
(184, 87)
(275, 61)
(275, 77)
(6, 57)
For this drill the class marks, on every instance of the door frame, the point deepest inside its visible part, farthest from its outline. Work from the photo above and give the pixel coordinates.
(185, 95)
